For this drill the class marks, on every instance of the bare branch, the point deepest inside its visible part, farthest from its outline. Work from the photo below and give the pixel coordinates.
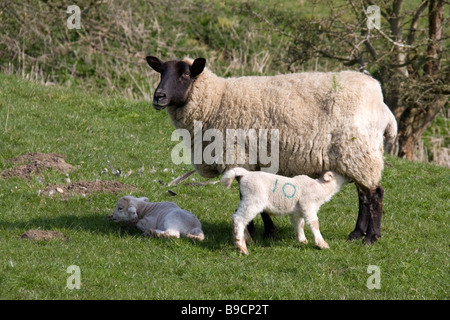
(272, 25)
(395, 43)
(415, 21)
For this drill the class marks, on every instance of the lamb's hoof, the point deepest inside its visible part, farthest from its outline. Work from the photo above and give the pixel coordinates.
(199, 237)
(243, 251)
(371, 239)
(148, 233)
(304, 241)
(323, 245)
(355, 235)
(242, 247)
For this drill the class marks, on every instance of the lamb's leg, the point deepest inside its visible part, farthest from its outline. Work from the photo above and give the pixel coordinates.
(299, 223)
(149, 233)
(170, 233)
(198, 237)
(313, 222)
(243, 215)
(375, 213)
(196, 234)
(238, 234)
(363, 215)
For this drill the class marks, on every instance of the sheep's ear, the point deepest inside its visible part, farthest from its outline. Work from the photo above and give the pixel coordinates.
(155, 63)
(132, 209)
(197, 66)
(123, 202)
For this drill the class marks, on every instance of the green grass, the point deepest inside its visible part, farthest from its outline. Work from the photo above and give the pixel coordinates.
(413, 254)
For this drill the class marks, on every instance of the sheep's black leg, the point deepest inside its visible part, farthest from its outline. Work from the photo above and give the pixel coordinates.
(251, 229)
(375, 213)
(363, 215)
(269, 226)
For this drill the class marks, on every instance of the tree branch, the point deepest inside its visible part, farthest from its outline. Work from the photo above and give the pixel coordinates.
(415, 21)
(435, 18)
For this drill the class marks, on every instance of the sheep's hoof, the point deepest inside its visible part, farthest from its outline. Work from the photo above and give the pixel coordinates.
(371, 239)
(355, 235)
(270, 232)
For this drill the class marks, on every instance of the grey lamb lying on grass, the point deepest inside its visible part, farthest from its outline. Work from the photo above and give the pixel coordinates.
(160, 219)
(300, 197)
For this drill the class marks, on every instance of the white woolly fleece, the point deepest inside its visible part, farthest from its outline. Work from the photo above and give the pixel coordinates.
(326, 121)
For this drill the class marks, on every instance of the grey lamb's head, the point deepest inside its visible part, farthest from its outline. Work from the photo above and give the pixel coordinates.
(126, 209)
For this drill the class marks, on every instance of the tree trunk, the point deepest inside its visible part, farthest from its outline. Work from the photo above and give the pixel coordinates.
(413, 123)
(415, 117)
(435, 17)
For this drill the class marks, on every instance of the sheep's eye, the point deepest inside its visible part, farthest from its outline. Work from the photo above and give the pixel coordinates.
(186, 74)
(120, 208)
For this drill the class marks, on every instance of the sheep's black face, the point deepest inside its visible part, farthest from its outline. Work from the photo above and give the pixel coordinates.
(176, 80)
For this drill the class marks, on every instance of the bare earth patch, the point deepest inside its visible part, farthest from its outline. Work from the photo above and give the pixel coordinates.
(35, 163)
(87, 187)
(43, 235)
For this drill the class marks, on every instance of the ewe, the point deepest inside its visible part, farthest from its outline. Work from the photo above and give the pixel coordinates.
(326, 121)
(160, 219)
(300, 197)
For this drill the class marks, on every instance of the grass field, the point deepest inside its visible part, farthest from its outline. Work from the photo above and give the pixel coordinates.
(94, 131)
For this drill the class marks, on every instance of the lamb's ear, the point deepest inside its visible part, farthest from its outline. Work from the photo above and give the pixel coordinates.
(328, 176)
(155, 63)
(197, 66)
(143, 199)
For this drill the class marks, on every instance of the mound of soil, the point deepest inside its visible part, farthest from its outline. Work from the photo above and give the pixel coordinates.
(43, 235)
(36, 162)
(87, 187)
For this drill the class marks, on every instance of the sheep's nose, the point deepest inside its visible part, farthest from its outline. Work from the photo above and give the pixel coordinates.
(159, 94)
(160, 100)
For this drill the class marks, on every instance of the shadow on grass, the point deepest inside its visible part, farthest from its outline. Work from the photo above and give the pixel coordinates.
(95, 223)
(218, 235)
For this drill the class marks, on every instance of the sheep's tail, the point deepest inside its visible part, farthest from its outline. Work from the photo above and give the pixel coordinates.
(390, 132)
(230, 175)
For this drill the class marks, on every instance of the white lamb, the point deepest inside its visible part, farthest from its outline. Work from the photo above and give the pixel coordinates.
(160, 219)
(300, 197)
